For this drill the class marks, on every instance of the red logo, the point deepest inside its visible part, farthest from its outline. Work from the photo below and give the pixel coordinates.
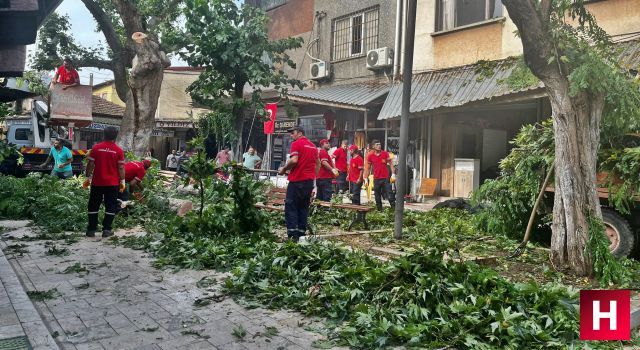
(605, 315)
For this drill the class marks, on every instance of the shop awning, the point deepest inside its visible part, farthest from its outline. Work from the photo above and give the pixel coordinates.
(483, 81)
(453, 87)
(349, 96)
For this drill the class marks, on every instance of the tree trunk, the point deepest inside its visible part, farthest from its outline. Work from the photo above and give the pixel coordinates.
(576, 122)
(145, 81)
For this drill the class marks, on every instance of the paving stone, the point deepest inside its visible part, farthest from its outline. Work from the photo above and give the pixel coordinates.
(90, 346)
(11, 331)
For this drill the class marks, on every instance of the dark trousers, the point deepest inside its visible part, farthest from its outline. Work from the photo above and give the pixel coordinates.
(341, 181)
(296, 207)
(98, 194)
(381, 186)
(355, 192)
(324, 189)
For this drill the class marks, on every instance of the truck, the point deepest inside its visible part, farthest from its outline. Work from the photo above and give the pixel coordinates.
(33, 136)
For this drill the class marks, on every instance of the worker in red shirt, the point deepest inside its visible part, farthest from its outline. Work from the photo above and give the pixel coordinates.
(105, 174)
(66, 75)
(303, 165)
(340, 158)
(134, 172)
(356, 170)
(326, 174)
(379, 160)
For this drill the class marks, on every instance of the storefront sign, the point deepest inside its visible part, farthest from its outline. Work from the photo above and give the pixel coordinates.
(20, 121)
(281, 126)
(156, 132)
(174, 124)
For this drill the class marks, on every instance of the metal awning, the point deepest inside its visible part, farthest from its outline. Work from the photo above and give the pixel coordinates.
(349, 96)
(453, 87)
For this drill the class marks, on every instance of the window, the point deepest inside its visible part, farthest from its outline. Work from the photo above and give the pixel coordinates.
(22, 134)
(355, 34)
(457, 13)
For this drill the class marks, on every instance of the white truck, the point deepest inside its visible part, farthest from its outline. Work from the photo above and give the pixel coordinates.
(34, 136)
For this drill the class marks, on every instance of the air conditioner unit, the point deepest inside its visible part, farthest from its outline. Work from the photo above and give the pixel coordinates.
(379, 58)
(319, 70)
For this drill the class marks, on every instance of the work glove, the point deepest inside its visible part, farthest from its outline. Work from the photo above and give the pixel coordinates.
(86, 183)
(393, 178)
(138, 196)
(335, 172)
(122, 186)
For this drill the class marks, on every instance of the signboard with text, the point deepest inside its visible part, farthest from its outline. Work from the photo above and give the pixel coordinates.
(178, 124)
(281, 126)
(71, 105)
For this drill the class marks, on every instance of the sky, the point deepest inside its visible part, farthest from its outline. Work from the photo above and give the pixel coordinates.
(83, 30)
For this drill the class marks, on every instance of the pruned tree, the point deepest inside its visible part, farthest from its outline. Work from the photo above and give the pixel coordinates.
(232, 45)
(135, 54)
(574, 58)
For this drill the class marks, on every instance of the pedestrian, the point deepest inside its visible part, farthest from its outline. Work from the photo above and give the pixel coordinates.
(378, 160)
(326, 174)
(356, 170)
(134, 172)
(250, 159)
(182, 161)
(340, 159)
(66, 75)
(223, 156)
(172, 161)
(303, 165)
(62, 159)
(105, 174)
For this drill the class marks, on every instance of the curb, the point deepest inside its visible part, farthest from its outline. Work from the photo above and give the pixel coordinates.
(30, 320)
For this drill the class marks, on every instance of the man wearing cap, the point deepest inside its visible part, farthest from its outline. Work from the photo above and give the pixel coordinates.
(134, 172)
(326, 174)
(356, 169)
(105, 174)
(378, 160)
(340, 159)
(303, 165)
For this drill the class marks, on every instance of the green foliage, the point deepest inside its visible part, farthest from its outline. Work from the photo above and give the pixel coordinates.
(233, 46)
(608, 270)
(42, 295)
(219, 125)
(623, 166)
(520, 77)
(508, 199)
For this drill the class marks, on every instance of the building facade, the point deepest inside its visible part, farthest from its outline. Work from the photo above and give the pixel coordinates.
(463, 109)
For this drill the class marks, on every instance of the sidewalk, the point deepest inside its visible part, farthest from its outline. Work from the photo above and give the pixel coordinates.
(112, 298)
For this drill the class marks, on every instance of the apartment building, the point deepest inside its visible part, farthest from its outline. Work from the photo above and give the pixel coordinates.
(462, 112)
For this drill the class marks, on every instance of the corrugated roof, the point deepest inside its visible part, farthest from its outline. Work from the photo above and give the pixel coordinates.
(354, 95)
(106, 108)
(452, 87)
(458, 86)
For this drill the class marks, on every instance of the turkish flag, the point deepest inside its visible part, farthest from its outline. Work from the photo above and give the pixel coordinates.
(269, 126)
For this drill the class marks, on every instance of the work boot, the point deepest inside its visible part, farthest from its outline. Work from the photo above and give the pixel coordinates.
(90, 233)
(107, 233)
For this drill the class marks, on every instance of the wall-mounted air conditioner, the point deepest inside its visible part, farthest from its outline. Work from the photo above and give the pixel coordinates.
(319, 70)
(380, 58)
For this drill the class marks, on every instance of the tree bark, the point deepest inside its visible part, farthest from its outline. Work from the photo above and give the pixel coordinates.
(576, 122)
(145, 80)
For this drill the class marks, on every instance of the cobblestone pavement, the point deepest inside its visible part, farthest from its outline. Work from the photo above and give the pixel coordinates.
(121, 302)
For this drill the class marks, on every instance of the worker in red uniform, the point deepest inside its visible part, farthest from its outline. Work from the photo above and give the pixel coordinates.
(105, 174)
(340, 158)
(134, 172)
(356, 169)
(326, 174)
(379, 160)
(66, 75)
(303, 165)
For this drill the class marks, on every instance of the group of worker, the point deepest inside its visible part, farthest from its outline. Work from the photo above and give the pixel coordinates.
(308, 165)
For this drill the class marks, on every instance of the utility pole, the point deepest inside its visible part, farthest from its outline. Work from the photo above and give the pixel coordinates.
(407, 66)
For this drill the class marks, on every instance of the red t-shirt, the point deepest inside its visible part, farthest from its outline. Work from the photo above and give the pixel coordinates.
(106, 156)
(307, 156)
(355, 166)
(379, 163)
(340, 155)
(134, 170)
(324, 173)
(68, 77)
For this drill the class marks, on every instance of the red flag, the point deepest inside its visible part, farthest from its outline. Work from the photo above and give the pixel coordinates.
(269, 126)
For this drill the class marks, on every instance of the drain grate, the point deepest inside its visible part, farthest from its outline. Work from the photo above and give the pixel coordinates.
(17, 343)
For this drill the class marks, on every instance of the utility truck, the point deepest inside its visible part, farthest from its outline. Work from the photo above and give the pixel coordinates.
(33, 135)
